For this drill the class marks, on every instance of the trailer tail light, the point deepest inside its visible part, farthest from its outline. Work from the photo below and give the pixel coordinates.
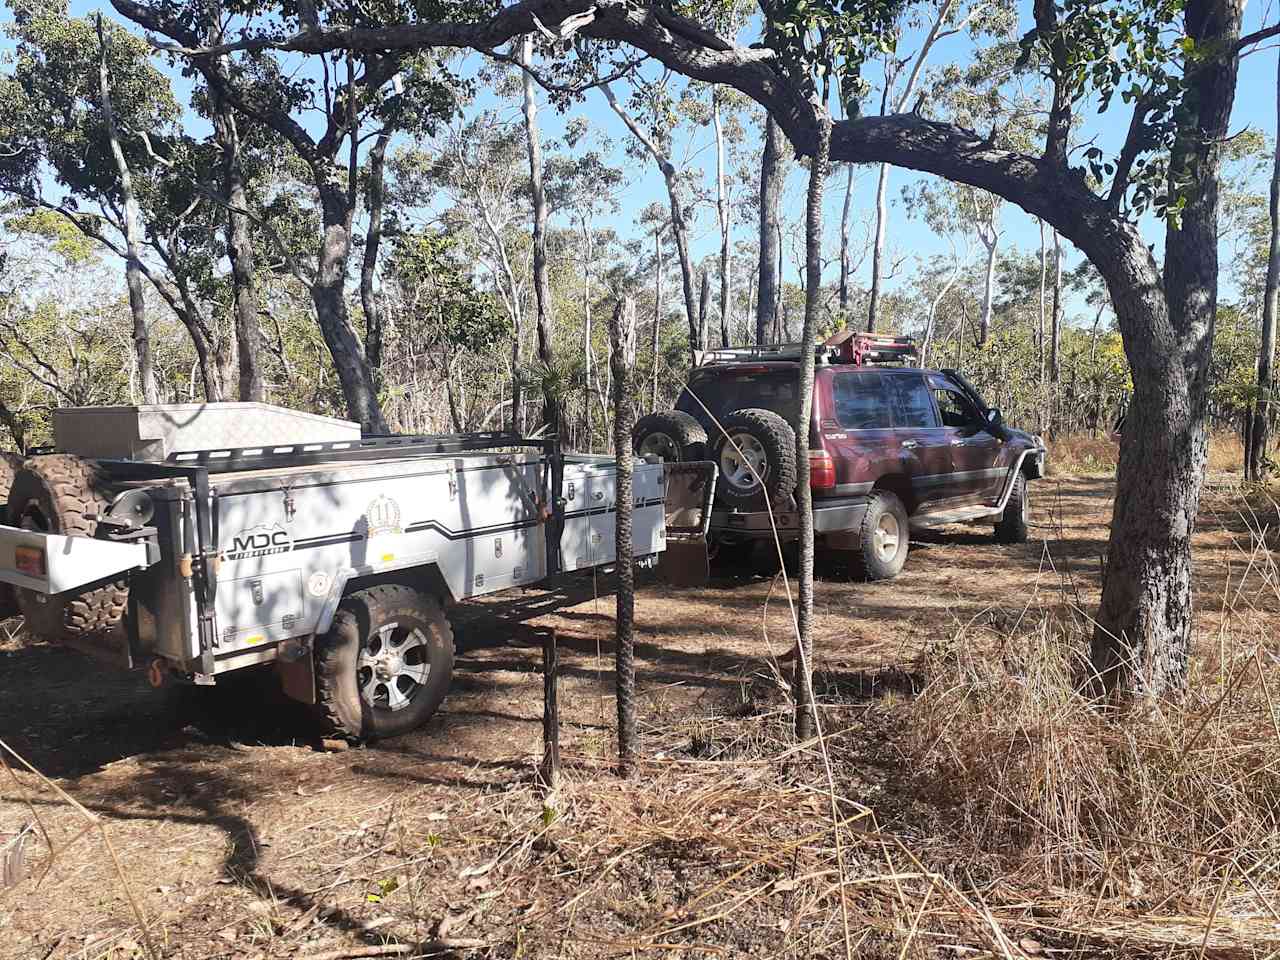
(822, 470)
(29, 560)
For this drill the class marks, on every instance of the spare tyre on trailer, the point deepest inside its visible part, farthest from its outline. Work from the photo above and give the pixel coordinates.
(64, 494)
(671, 435)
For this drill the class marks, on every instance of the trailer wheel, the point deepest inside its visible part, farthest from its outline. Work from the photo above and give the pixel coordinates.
(10, 464)
(58, 493)
(385, 665)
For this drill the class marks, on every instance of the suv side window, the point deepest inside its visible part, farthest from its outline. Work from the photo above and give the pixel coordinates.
(861, 401)
(955, 409)
(912, 403)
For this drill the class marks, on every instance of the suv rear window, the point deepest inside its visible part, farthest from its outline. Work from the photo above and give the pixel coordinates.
(724, 393)
(861, 401)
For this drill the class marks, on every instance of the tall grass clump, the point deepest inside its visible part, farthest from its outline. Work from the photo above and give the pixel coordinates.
(1167, 807)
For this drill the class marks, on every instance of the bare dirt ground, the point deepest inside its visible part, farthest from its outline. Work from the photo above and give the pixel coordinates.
(239, 839)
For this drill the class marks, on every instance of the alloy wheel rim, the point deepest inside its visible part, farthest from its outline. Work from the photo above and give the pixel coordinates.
(742, 460)
(393, 666)
(887, 537)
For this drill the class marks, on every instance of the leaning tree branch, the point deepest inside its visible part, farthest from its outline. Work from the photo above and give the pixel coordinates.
(1135, 141)
(1249, 39)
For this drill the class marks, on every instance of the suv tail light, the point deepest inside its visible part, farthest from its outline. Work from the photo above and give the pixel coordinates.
(822, 470)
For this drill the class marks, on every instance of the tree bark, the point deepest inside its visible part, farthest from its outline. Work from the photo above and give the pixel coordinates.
(132, 233)
(877, 252)
(1142, 641)
(622, 336)
(1261, 420)
(770, 192)
(722, 212)
(375, 195)
(704, 305)
(1055, 326)
(328, 293)
(240, 252)
(988, 289)
(551, 412)
(845, 217)
(657, 313)
(806, 711)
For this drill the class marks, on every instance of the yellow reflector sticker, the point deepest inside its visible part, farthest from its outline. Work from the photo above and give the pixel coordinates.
(388, 557)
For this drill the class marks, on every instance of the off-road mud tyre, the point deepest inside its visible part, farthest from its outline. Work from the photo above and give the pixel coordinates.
(883, 539)
(59, 493)
(768, 442)
(10, 464)
(360, 627)
(1014, 524)
(671, 434)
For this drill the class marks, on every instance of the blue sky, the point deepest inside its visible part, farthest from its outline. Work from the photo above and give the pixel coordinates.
(910, 239)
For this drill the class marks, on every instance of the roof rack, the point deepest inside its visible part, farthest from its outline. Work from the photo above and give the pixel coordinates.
(773, 351)
(847, 346)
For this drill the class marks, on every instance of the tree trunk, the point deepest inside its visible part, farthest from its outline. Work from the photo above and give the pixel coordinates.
(722, 211)
(1142, 641)
(374, 332)
(877, 252)
(806, 711)
(622, 336)
(587, 359)
(770, 191)
(1261, 425)
(1041, 331)
(704, 304)
(988, 288)
(657, 312)
(844, 239)
(132, 234)
(541, 286)
(1055, 327)
(249, 343)
(328, 293)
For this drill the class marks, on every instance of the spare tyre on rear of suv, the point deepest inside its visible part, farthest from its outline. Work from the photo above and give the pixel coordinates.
(672, 435)
(756, 454)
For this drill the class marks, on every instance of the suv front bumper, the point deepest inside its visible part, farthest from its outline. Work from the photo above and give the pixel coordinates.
(829, 516)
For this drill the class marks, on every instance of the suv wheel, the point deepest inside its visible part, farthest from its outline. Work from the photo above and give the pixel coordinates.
(883, 538)
(1013, 523)
(673, 436)
(756, 453)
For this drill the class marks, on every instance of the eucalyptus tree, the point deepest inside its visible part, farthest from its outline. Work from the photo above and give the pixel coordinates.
(584, 187)
(939, 19)
(118, 168)
(481, 168)
(443, 314)
(358, 96)
(653, 122)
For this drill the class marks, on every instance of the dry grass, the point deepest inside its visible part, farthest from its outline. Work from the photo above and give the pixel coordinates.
(1084, 454)
(982, 806)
